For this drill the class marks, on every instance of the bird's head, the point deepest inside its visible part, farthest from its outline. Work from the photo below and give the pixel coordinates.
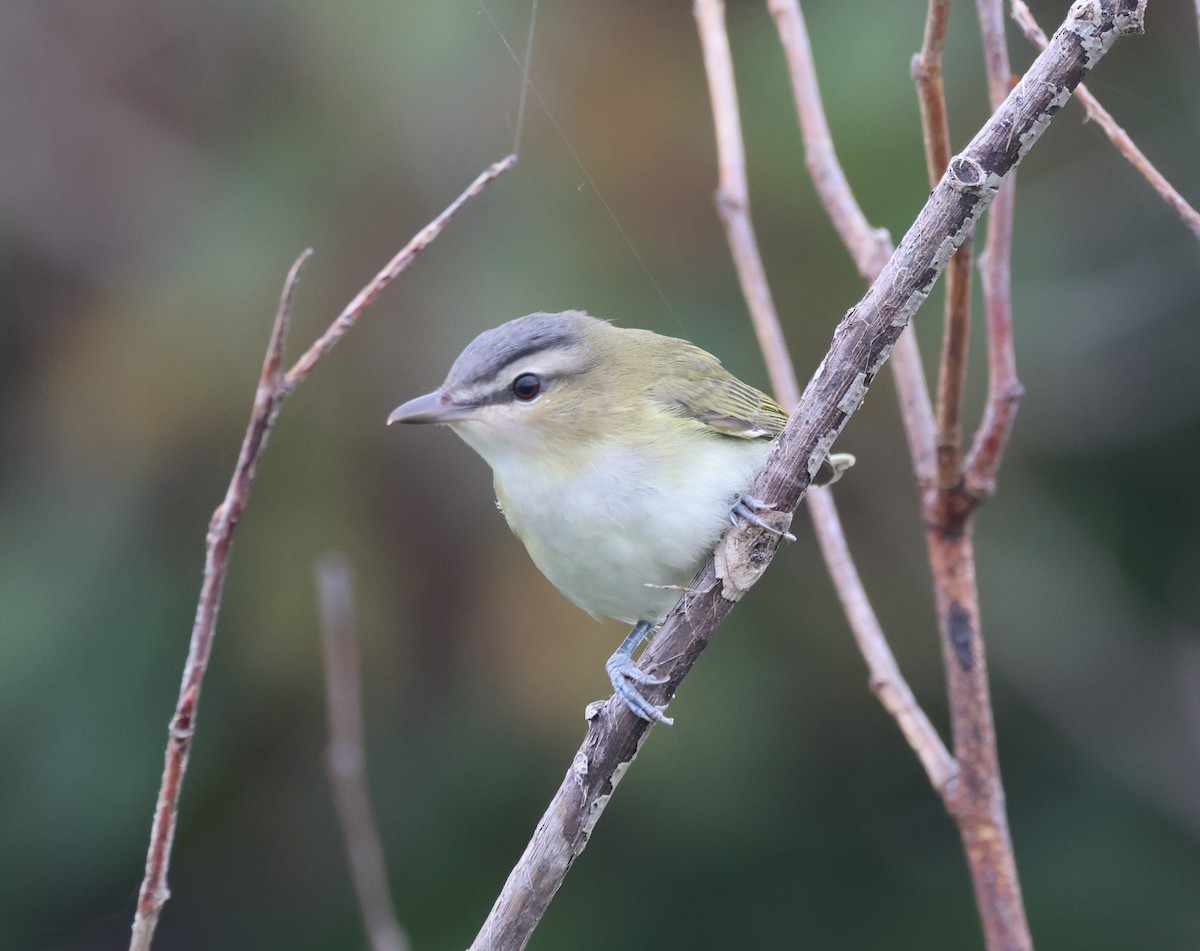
(544, 384)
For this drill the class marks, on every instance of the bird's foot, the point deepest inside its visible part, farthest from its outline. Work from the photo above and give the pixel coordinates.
(749, 508)
(625, 675)
(833, 467)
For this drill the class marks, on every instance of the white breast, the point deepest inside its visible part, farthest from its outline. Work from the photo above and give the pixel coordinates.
(621, 535)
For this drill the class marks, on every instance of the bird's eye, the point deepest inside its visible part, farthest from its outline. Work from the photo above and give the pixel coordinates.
(526, 387)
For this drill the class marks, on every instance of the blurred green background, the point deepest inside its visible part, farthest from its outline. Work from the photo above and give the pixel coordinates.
(162, 163)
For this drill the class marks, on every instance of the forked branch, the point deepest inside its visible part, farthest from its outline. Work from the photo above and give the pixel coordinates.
(273, 387)
(861, 344)
(885, 677)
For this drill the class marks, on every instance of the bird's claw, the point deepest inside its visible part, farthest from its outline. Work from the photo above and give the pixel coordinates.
(748, 508)
(624, 674)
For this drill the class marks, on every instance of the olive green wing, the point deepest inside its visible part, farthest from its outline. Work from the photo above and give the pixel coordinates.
(697, 387)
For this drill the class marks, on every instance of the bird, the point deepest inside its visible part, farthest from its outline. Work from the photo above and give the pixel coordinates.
(619, 458)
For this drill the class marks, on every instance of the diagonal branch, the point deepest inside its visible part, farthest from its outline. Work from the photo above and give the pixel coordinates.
(861, 344)
(733, 199)
(885, 676)
(154, 892)
(1118, 136)
(869, 247)
(273, 387)
(390, 271)
(887, 682)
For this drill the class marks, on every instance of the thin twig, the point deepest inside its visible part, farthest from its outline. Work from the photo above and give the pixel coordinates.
(1118, 136)
(273, 388)
(926, 70)
(390, 271)
(926, 73)
(885, 675)
(1004, 389)
(869, 247)
(861, 344)
(346, 758)
(887, 683)
(952, 366)
(733, 192)
(977, 801)
(154, 892)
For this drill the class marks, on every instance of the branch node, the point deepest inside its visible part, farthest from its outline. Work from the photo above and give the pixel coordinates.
(729, 203)
(978, 487)
(743, 554)
(1131, 17)
(965, 174)
(922, 70)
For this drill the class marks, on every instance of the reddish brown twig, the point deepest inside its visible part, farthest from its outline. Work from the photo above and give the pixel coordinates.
(861, 345)
(154, 892)
(273, 388)
(994, 874)
(869, 247)
(1004, 389)
(346, 757)
(926, 71)
(885, 676)
(1118, 136)
(956, 321)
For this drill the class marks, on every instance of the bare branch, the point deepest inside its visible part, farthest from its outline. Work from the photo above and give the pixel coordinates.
(977, 799)
(952, 368)
(347, 755)
(1118, 136)
(994, 897)
(1004, 389)
(861, 345)
(884, 673)
(926, 73)
(390, 271)
(273, 388)
(869, 247)
(733, 192)
(887, 683)
(154, 892)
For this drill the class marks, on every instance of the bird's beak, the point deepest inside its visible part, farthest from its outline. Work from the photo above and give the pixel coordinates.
(435, 407)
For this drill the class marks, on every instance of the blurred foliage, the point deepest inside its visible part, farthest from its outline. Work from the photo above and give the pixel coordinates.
(161, 164)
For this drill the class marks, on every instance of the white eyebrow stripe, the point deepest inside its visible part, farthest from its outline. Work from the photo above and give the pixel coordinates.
(548, 364)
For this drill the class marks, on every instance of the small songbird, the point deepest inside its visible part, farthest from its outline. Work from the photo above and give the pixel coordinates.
(620, 456)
